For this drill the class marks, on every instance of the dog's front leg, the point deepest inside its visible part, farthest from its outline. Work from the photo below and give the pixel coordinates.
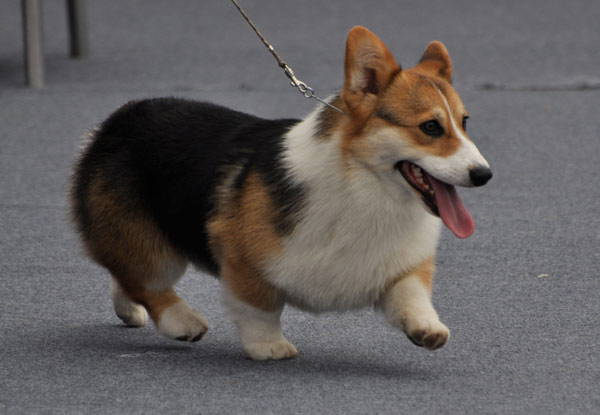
(255, 308)
(407, 304)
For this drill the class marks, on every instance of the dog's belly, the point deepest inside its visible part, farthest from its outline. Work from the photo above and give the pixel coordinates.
(349, 264)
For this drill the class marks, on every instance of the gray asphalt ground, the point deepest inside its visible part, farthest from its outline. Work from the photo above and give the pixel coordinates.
(521, 296)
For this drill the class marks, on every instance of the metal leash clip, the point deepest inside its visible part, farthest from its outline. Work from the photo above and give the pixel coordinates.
(307, 91)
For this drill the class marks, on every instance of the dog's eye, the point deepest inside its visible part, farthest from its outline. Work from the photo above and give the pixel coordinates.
(432, 128)
(465, 118)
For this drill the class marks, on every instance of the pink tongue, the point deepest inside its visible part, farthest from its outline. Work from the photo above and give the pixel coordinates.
(452, 211)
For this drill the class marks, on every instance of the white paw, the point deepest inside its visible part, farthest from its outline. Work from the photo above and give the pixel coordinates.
(259, 331)
(276, 350)
(181, 322)
(132, 314)
(429, 333)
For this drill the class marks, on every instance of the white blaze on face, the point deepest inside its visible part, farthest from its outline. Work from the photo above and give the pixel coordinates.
(454, 169)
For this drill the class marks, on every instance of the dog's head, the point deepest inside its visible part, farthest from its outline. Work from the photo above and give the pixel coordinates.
(409, 126)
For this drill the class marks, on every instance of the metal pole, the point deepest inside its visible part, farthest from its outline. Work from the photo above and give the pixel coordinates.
(32, 34)
(78, 39)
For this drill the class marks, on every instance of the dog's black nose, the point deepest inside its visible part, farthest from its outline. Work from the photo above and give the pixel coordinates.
(480, 175)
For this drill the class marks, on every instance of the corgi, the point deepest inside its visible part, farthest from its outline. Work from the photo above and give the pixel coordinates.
(337, 211)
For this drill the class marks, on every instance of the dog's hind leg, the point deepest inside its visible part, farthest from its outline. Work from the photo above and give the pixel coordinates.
(132, 314)
(143, 263)
(172, 317)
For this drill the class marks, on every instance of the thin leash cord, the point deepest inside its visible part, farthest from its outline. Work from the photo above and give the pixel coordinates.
(304, 89)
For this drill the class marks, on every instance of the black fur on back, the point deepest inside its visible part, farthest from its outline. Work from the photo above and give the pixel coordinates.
(168, 155)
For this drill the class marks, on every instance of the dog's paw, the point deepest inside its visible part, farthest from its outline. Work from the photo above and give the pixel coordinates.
(131, 313)
(181, 322)
(429, 333)
(276, 350)
(133, 316)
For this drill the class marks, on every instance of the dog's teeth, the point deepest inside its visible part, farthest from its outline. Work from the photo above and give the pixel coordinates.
(418, 174)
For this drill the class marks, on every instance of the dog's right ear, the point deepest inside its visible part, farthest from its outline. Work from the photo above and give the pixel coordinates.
(369, 67)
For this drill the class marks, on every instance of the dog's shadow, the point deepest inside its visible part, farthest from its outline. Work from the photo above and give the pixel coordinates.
(217, 355)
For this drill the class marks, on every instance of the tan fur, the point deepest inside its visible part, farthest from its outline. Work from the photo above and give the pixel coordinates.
(424, 271)
(375, 82)
(436, 60)
(155, 303)
(246, 284)
(242, 237)
(413, 100)
(369, 67)
(132, 248)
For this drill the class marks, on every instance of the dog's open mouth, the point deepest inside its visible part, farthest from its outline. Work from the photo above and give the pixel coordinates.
(441, 199)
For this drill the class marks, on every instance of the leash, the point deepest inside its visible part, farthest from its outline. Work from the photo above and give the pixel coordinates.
(304, 89)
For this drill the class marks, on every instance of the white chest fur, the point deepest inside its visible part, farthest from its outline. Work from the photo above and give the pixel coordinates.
(355, 236)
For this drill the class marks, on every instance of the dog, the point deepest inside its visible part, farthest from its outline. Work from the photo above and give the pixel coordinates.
(337, 211)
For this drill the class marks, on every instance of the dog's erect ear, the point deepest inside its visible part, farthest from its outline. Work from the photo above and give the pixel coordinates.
(369, 66)
(436, 61)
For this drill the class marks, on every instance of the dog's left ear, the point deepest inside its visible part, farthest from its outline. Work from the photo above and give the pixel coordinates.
(436, 61)
(369, 67)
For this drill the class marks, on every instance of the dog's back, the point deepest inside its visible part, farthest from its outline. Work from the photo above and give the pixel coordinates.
(163, 159)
